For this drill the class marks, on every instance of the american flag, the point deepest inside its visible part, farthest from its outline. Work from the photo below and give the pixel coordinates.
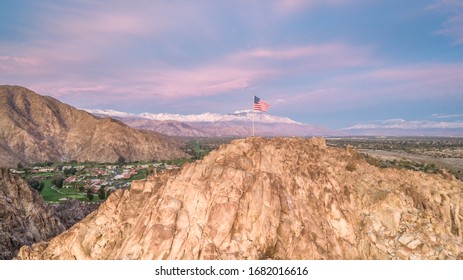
(260, 105)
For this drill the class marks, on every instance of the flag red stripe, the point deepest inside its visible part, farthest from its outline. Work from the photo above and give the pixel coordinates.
(261, 106)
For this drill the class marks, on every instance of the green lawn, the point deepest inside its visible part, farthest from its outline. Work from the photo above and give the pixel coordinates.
(141, 175)
(198, 149)
(52, 195)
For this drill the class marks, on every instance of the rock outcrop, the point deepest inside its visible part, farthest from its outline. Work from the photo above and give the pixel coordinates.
(72, 211)
(272, 199)
(24, 219)
(35, 128)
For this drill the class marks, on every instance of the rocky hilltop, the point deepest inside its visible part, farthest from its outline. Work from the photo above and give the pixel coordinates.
(24, 219)
(35, 128)
(272, 199)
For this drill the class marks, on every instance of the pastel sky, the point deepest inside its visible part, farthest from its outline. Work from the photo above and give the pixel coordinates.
(336, 63)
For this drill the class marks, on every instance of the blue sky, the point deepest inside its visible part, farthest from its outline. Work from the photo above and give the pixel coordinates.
(328, 62)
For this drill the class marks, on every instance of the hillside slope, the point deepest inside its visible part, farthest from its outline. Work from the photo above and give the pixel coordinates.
(273, 199)
(35, 128)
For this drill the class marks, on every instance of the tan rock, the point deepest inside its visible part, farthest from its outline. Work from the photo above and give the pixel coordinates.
(403, 254)
(406, 238)
(372, 237)
(415, 243)
(425, 249)
(409, 217)
(269, 199)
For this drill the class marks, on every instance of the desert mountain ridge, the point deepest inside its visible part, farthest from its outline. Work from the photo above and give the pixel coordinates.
(280, 198)
(35, 128)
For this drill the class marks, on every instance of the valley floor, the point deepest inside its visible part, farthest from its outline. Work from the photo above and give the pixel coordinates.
(427, 154)
(454, 165)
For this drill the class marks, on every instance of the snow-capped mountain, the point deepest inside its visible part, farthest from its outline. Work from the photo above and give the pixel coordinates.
(237, 116)
(237, 124)
(110, 113)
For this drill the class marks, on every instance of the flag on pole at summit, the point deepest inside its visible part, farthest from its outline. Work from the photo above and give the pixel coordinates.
(260, 105)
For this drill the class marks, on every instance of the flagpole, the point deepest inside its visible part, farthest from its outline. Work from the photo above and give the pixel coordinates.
(253, 115)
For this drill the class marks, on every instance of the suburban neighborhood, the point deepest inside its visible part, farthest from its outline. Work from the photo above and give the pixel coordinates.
(87, 181)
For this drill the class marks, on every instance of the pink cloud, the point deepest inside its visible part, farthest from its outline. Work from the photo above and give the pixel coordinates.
(104, 25)
(249, 68)
(320, 56)
(16, 64)
(323, 98)
(287, 6)
(100, 22)
(170, 85)
(235, 72)
(144, 85)
(453, 26)
(201, 81)
(408, 83)
(30, 62)
(445, 5)
(427, 78)
(62, 63)
(295, 52)
(377, 86)
(91, 30)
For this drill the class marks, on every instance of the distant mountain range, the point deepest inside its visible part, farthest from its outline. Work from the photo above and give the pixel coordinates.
(400, 127)
(237, 116)
(238, 124)
(35, 128)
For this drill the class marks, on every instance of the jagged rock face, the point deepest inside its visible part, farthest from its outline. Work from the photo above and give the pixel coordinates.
(36, 128)
(272, 199)
(24, 219)
(73, 211)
